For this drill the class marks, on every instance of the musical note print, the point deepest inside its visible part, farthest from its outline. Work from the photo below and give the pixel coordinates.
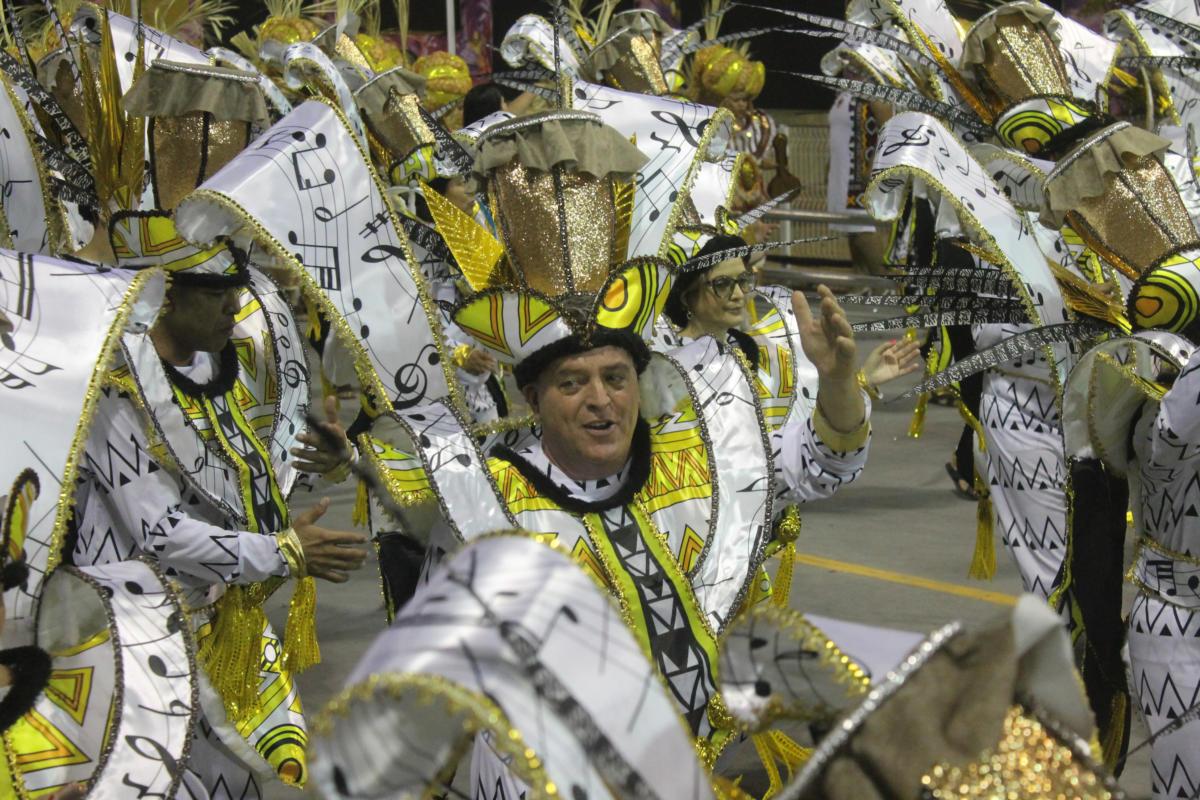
(917, 146)
(307, 187)
(508, 619)
(675, 136)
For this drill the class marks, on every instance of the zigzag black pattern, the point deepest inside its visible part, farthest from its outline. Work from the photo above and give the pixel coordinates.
(1178, 783)
(977, 280)
(1164, 700)
(1011, 349)
(904, 99)
(1166, 620)
(935, 318)
(1035, 410)
(1172, 507)
(1023, 531)
(1023, 477)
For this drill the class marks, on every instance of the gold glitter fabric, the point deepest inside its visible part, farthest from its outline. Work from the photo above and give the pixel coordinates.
(1138, 221)
(630, 62)
(396, 122)
(558, 227)
(1028, 761)
(188, 149)
(1019, 58)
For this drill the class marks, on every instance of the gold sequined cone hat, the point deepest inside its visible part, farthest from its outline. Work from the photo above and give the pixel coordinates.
(556, 278)
(1014, 54)
(1113, 183)
(197, 118)
(993, 713)
(629, 60)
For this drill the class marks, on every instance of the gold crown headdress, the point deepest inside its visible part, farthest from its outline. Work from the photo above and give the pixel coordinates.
(1113, 182)
(560, 187)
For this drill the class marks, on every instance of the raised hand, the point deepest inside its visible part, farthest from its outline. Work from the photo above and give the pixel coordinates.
(892, 360)
(479, 361)
(321, 454)
(828, 340)
(328, 554)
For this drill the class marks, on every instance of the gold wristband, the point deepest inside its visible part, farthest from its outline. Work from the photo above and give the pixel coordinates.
(460, 355)
(292, 552)
(868, 387)
(338, 473)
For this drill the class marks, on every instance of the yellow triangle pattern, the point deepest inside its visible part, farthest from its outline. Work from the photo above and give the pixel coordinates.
(690, 550)
(70, 690)
(476, 251)
(37, 744)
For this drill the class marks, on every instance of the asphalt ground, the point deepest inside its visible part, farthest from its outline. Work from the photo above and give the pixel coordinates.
(891, 550)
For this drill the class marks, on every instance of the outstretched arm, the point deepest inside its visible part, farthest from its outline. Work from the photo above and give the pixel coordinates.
(828, 342)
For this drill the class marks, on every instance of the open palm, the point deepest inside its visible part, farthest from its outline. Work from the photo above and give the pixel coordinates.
(827, 339)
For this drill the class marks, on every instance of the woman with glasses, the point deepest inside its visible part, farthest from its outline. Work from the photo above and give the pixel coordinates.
(725, 302)
(719, 302)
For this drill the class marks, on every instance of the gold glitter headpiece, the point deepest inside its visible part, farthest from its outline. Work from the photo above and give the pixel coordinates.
(1022, 74)
(560, 187)
(1112, 183)
(996, 712)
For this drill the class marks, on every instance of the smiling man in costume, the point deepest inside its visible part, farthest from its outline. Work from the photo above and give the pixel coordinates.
(629, 451)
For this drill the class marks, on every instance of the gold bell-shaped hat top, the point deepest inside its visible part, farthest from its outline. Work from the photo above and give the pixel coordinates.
(1015, 55)
(560, 186)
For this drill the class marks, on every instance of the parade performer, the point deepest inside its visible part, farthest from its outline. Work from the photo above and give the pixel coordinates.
(601, 475)
(98, 669)
(196, 442)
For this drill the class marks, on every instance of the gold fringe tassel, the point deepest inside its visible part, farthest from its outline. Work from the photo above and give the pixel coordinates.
(772, 747)
(300, 648)
(233, 649)
(983, 562)
(1110, 747)
(360, 516)
(782, 590)
(917, 426)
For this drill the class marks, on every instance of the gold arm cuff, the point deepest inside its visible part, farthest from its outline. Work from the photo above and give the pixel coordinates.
(292, 552)
(460, 355)
(868, 387)
(836, 440)
(338, 473)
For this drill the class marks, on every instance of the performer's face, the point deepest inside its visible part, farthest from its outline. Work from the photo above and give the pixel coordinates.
(718, 301)
(587, 405)
(199, 319)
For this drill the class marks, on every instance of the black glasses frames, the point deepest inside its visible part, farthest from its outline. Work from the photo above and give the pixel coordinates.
(723, 287)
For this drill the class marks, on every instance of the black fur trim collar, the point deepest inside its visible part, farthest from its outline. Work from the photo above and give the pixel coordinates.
(746, 344)
(639, 471)
(30, 668)
(222, 382)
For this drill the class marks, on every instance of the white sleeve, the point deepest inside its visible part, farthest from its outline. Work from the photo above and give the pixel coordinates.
(812, 461)
(132, 498)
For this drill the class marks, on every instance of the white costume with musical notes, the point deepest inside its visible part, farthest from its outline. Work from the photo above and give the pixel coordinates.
(158, 481)
(1164, 623)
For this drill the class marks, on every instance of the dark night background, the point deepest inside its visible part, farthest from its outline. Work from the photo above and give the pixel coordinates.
(780, 51)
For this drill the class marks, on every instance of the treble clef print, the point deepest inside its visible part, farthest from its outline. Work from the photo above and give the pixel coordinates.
(920, 136)
(411, 380)
(686, 131)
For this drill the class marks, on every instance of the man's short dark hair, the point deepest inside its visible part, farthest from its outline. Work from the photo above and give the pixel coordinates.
(484, 99)
(674, 308)
(531, 368)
